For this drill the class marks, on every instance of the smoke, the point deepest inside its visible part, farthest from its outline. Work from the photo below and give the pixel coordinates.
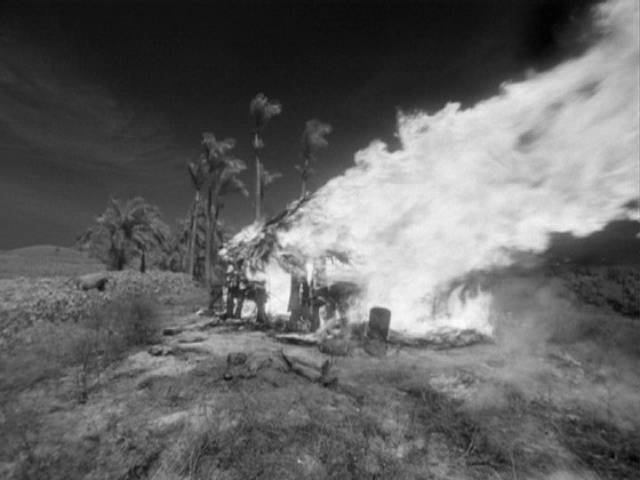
(471, 187)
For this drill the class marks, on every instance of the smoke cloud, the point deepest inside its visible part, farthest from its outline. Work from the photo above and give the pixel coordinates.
(468, 188)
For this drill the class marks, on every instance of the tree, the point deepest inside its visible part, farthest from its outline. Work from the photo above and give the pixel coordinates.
(221, 179)
(197, 175)
(127, 227)
(313, 139)
(262, 110)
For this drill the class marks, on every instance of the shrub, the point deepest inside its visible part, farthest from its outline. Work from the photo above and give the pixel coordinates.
(88, 346)
(135, 319)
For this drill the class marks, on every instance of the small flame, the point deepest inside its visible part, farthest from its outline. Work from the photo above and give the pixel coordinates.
(309, 269)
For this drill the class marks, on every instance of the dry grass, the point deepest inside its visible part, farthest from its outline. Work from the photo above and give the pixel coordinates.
(262, 445)
(600, 446)
(88, 346)
(33, 372)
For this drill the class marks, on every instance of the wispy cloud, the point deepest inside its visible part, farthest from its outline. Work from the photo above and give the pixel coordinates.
(47, 105)
(66, 142)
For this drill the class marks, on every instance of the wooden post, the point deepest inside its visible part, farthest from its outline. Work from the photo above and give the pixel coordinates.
(379, 321)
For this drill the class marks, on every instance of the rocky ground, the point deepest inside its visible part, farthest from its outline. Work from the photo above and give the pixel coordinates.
(554, 396)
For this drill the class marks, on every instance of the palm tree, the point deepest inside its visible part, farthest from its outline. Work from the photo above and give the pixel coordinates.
(128, 226)
(197, 177)
(221, 178)
(313, 139)
(262, 110)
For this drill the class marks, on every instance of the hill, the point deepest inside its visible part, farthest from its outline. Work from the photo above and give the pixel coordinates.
(46, 261)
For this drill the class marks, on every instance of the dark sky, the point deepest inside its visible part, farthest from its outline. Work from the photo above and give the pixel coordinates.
(111, 98)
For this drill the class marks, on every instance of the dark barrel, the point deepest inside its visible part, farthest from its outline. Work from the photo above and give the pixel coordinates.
(379, 321)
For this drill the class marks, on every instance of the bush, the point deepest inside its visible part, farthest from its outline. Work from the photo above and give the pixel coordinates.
(88, 346)
(135, 320)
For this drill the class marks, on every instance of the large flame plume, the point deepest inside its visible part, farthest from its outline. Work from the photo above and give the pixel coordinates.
(555, 153)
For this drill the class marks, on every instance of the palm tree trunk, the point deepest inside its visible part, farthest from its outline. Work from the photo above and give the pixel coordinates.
(304, 175)
(120, 259)
(214, 281)
(256, 142)
(207, 253)
(194, 230)
(143, 262)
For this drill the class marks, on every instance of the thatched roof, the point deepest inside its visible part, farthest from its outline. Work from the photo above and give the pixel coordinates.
(258, 244)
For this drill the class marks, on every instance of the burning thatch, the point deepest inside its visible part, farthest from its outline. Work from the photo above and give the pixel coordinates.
(256, 246)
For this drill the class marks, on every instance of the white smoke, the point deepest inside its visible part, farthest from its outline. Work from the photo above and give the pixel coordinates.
(558, 152)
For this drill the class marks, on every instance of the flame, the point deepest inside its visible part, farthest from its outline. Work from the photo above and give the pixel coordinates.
(278, 284)
(555, 153)
(308, 267)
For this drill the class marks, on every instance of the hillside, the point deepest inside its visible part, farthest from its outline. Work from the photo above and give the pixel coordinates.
(46, 261)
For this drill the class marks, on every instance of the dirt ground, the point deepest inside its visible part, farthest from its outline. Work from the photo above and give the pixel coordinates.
(483, 411)
(535, 403)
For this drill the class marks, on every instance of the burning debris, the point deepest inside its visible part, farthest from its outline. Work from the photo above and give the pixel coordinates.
(295, 285)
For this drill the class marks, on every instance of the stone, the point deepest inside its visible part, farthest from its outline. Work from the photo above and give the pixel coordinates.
(171, 331)
(160, 350)
(236, 358)
(93, 280)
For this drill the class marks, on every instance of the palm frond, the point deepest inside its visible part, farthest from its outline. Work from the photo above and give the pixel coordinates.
(314, 137)
(262, 110)
(269, 177)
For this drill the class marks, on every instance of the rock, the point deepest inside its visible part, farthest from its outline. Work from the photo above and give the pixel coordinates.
(235, 366)
(171, 331)
(93, 280)
(257, 363)
(160, 350)
(236, 358)
(169, 422)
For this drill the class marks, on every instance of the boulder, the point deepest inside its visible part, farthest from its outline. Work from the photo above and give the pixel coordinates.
(160, 350)
(93, 280)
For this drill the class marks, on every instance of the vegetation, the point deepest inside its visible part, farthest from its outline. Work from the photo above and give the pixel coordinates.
(127, 228)
(87, 346)
(262, 110)
(197, 175)
(134, 229)
(313, 139)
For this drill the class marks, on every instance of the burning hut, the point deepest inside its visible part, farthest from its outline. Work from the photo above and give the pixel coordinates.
(296, 285)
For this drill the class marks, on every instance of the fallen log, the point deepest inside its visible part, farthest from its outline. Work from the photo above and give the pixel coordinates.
(321, 374)
(439, 339)
(307, 339)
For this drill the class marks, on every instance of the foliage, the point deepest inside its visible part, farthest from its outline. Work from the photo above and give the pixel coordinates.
(87, 346)
(262, 110)
(313, 139)
(125, 229)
